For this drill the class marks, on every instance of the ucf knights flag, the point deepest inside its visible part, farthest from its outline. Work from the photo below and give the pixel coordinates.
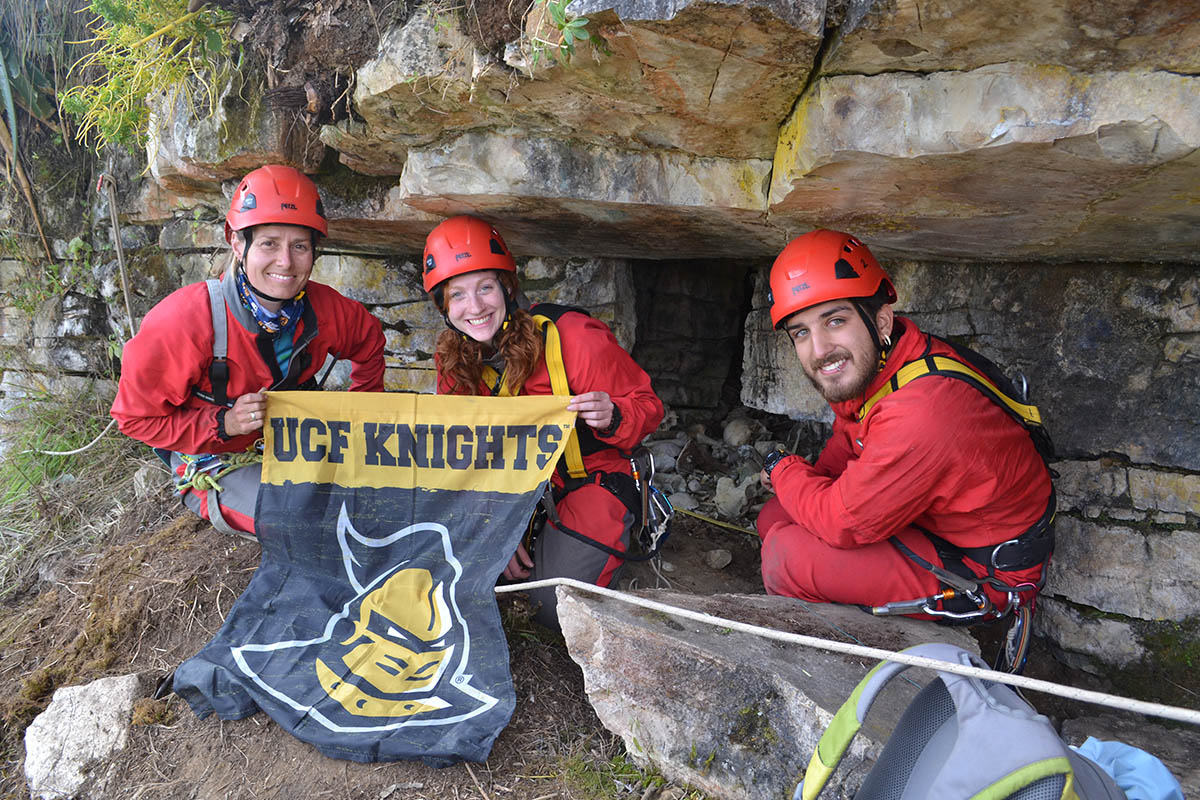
(370, 628)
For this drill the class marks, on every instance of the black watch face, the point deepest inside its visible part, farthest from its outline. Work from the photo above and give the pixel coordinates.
(773, 458)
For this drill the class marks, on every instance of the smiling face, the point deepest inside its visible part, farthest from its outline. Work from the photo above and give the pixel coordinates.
(835, 347)
(476, 304)
(278, 261)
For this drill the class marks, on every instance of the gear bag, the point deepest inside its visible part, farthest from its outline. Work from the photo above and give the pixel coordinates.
(960, 738)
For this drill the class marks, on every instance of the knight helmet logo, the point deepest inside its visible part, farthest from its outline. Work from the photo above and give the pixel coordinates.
(396, 653)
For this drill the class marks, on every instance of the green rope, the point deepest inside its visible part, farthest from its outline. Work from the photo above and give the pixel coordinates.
(206, 480)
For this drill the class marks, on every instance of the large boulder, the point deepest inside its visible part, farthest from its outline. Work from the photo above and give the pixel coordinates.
(732, 714)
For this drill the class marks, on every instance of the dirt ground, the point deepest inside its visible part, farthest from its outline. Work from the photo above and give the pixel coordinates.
(152, 598)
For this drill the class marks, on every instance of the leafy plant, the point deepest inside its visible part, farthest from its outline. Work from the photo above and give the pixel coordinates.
(557, 31)
(146, 48)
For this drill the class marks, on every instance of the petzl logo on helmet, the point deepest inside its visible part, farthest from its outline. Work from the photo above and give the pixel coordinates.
(800, 287)
(395, 655)
(289, 206)
(461, 256)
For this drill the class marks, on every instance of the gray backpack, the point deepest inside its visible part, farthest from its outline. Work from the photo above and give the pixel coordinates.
(960, 738)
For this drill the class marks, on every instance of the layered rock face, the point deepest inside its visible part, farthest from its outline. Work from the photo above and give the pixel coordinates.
(1028, 171)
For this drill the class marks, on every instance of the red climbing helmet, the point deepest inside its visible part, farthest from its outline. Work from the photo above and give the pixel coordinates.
(820, 266)
(275, 195)
(460, 245)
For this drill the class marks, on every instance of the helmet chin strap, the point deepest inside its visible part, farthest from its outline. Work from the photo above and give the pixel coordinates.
(884, 346)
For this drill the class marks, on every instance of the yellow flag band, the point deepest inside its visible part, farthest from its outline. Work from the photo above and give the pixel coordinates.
(373, 440)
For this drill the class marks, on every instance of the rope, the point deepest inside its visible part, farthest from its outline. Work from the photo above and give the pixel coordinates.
(100, 436)
(874, 653)
(714, 521)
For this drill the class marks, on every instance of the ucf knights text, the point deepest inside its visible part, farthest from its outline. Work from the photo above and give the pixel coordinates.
(388, 444)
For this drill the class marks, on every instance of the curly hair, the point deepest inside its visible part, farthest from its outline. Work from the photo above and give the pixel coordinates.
(460, 358)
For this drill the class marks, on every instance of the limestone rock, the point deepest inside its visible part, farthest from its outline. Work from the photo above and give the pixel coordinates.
(718, 559)
(1098, 641)
(1124, 571)
(962, 35)
(704, 78)
(734, 715)
(731, 497)
(1164, 491)
(857, 150)
(189, 152)
(549, 190)
(82, 725)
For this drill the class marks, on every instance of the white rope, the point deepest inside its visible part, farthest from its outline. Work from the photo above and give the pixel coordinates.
(100, 436)
(1021, 682)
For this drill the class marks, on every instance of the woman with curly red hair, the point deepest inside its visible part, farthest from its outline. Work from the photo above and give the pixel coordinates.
(494, 346)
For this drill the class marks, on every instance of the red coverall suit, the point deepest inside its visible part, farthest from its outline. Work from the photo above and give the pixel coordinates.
(936, 453)
(594, 362)
(173, 350)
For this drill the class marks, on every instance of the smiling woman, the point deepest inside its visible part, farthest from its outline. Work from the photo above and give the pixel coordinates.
(194, 380)
(496, 344)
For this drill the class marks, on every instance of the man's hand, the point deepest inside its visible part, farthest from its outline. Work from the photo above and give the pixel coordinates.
(519, 565)
(594, 408)
(248, 414)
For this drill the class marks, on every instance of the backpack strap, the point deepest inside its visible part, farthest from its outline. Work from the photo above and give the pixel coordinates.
(951, 368)
(849, 718)
(218, 368)
(552, 348)
(981, 711)
(1024, 413)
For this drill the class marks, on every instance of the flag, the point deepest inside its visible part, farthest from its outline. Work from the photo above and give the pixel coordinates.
(370, 628)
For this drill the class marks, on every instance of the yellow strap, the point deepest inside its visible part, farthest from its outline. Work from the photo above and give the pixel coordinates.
(944, 364)
(558, 385)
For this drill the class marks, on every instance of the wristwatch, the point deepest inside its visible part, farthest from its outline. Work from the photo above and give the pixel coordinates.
(773, 458)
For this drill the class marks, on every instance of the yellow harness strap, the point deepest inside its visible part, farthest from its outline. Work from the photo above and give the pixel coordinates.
(558, 385)
(949, 367)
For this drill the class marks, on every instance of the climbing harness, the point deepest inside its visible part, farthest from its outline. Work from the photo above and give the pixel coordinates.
(651, 510)
(963, 599)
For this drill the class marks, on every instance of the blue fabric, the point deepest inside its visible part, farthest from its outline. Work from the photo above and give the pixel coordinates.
(281, 324)
(1140, 775)
(269, 321)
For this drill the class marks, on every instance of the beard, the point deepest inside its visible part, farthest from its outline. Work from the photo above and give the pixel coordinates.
(861, 370)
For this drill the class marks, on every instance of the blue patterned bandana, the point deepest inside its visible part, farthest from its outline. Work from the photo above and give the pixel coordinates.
(270, 321)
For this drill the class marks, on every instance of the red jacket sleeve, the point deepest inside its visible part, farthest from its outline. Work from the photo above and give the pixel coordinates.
(899, 474)
(159, 367)
(595, 362)
(836, 454)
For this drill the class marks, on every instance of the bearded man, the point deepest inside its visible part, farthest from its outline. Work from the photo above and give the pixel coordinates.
(931, 497)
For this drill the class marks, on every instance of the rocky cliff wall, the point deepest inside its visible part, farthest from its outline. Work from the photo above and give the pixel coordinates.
(1028, 172)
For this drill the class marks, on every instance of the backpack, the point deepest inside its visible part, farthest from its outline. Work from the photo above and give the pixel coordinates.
(960, 738)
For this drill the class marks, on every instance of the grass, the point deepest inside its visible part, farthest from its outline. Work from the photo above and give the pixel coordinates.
(52, 504)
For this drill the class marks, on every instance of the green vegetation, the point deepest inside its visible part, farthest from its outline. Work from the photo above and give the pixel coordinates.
(44, 507)
(558, 32)
(616, 777)
(146, 48)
